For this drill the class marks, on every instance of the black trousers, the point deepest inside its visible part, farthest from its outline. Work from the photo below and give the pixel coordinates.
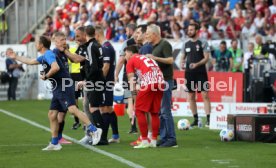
(12, 88)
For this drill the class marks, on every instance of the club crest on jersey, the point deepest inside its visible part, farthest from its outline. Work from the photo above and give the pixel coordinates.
(197, 47)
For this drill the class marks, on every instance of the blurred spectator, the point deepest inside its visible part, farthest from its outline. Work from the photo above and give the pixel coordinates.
(14, 69)
(148, 10)
(84, 21)
(222, 59)
(260, 5)
(164, 25)
(250, 15)
(108, 30)
(177, 31)
(222, 23)
(259, 21)
(110, 14)
(237, 56)
(70, 4)
(232, 30)
(108, 3)
(188, 19)
(141, 20)
(100, 13)
(249, 6)
(179, 20)
(74, 15)
(239, 19)
(258, 50)
(70, 34)
(219, 11)
(235, 12)
(207, 11)
(83, 10)
(271, 35)
(120, 7)
(121, 35)
(58, 19)
(249, 30)
(168, 8)
(195, 12)
(93, 7)
(130, 29)
(179, 9)
(272, 8)
(248, 55)
(136, 7)
(152, 19)
(204, 33)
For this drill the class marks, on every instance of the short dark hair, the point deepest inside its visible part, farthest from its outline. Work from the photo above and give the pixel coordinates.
(223, 43)
(90, 31)
(81, 28)
(196, 25)
(143, 28)
(133, 48)
(45, 41)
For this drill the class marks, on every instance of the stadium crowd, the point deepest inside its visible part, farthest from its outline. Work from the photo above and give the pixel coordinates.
(220, 19)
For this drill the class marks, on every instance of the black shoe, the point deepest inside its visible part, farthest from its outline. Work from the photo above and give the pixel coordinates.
(103, 142)
(160, 142)
(207, 124)
(133, 131)
(76, 126)
(195, 123)
(169, 144)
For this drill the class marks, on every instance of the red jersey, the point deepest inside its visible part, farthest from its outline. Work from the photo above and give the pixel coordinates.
(146, 69)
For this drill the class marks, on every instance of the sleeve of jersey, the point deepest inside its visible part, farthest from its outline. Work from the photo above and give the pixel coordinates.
(106, 54)
(39, 59)
(130, 66)
(50, 57)
(206, 47)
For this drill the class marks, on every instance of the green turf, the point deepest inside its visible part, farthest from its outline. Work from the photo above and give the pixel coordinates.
(21, 143)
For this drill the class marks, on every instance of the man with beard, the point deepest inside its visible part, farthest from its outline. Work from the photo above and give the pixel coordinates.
(196, 53)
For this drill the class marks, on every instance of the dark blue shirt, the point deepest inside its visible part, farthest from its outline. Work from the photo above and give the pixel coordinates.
(146, 49)
(62, 57)
(8, 63)
(47, 60)
(109, 56)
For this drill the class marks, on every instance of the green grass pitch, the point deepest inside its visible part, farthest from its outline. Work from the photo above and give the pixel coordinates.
(21, 144)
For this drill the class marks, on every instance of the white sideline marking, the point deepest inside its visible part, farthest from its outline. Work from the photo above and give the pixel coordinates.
(113, 156)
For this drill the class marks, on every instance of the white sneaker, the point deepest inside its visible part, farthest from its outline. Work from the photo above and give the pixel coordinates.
(112, 140)
(85, 140)
(142, 145)
(153, 143)
(52, 147)
(96, 136)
